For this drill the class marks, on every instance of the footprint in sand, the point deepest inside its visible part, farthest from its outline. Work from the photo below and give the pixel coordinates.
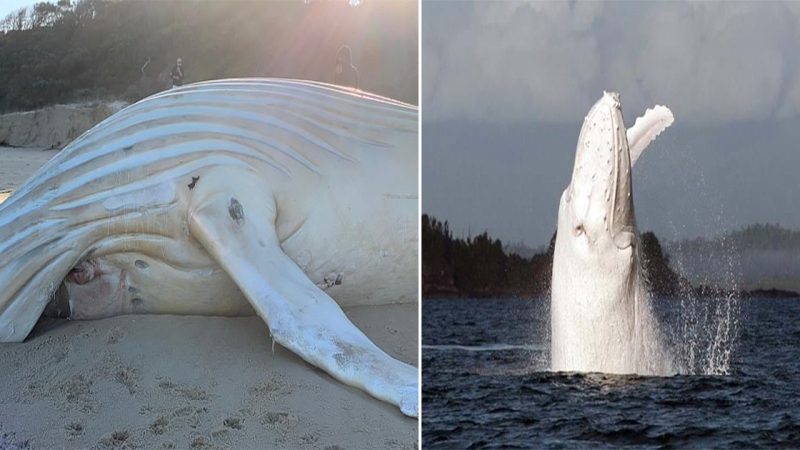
(8, 440)
(112, 367)
(159, 426)
(279, 420)
(310, 440)
(270, 388)
(200, 441)
(74, 429)
(115, 440)
(191, 415)
(77, 391)
(187, 392)
(221, 435)
(233, 422)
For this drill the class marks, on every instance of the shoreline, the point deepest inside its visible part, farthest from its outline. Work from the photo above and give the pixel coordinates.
(702, 292)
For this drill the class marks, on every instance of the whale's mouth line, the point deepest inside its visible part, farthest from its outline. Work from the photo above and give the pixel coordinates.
(617, 146)
(605, 190)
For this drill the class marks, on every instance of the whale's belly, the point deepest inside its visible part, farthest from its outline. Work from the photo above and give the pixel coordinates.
(357, 260)
(362, 263)
(179, 277)
(359, 242)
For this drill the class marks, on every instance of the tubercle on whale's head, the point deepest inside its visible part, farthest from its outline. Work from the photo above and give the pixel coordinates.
(599, 199)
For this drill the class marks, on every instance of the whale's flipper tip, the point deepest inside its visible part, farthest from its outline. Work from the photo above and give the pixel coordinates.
(646, 128)
(228, 222)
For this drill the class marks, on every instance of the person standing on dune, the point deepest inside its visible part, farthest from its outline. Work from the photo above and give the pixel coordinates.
(177, 73)
(346, 73)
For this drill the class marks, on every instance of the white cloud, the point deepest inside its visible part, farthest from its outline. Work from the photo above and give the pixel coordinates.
(517, 62)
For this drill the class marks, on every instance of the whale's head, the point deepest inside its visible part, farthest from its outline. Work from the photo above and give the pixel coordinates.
(597, 207)
(599, 313)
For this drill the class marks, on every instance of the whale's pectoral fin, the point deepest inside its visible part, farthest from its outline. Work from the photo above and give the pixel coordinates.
(236, 226)
(647, 128)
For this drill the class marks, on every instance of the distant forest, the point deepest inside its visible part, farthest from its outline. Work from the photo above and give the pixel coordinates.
(124, 49)
(759, 256)
(479, 266)
(762, 237)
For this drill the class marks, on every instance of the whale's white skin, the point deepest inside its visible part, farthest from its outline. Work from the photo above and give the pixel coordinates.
(601, 317)
(283, 198)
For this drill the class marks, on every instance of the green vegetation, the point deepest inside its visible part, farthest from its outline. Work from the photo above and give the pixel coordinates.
(477, 266)
(88, 49)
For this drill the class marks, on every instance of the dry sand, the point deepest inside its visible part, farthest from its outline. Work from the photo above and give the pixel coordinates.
(17, 164)
(187, 381)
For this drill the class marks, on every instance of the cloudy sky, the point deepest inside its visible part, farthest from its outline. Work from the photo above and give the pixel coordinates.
(505, 87)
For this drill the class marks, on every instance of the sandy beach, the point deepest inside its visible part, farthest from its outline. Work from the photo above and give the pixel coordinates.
(186, 381)
(17, 164)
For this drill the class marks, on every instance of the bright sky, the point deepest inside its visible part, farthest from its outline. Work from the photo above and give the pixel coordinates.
(7, 6)
(506, 84)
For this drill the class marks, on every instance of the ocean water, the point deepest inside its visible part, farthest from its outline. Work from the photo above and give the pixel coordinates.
(486, 383)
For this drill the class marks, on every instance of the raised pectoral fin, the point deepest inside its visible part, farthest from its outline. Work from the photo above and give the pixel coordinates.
(647, 128)
(237, 229)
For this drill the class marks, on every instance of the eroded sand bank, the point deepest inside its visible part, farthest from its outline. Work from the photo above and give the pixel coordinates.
(54, 126)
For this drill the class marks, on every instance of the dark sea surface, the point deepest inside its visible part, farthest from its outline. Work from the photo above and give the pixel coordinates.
(486, 383)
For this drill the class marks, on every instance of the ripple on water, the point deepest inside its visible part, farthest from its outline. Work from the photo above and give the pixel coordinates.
(486, 385)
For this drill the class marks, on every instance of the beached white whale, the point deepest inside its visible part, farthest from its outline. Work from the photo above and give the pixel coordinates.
(601, 318)
(224, 198)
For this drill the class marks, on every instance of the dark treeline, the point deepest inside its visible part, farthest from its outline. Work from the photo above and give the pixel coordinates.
(478, 266)
(88, 49)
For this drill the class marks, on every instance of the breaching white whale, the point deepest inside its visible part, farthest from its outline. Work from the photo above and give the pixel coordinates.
(224, 198)
(601, 317)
